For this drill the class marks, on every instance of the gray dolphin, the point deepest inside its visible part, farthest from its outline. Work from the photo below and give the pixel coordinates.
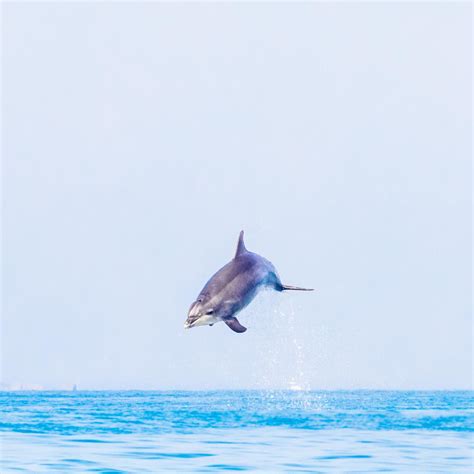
(233, 287)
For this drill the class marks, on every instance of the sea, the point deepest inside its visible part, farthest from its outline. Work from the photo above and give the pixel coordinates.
(217, 431)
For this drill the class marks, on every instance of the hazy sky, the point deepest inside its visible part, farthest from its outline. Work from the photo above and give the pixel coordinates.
(139, 139)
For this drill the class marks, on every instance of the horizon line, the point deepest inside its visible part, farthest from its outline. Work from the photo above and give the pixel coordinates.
(471, 389)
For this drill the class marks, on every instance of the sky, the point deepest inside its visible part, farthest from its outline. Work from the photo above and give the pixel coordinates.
(138, 139)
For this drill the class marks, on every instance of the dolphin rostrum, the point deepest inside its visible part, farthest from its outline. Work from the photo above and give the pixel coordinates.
(233, 287)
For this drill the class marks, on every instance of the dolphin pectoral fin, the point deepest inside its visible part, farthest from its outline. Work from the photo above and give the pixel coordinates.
(288, 287)
(234, 324)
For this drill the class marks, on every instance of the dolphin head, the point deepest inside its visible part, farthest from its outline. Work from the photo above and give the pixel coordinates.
(201, 313)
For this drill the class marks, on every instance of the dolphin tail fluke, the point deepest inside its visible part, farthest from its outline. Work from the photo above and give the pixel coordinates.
(297, 288)
(234, 324)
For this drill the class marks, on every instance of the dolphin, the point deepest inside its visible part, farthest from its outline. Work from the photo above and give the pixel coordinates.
(233, 287)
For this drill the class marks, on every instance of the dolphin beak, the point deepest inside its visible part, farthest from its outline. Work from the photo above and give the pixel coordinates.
(193, 315)
(189, 324)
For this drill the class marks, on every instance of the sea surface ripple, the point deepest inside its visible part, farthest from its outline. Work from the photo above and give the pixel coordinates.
(204, 431)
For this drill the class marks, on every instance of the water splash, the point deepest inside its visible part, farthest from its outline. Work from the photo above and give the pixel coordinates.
(282, 362)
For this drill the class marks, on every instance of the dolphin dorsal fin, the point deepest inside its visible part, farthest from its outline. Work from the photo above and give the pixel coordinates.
(240, 245)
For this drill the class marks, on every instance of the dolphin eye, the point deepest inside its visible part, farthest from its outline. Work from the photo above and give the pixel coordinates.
(209, 311)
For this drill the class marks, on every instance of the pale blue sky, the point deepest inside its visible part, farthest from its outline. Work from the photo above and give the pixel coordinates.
(139, 139)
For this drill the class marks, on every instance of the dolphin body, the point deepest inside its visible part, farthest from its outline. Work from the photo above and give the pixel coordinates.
(233, 287)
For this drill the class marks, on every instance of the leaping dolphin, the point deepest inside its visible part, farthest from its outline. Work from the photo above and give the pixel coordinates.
(233, 287)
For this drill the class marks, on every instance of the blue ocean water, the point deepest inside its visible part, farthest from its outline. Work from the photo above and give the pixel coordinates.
(269, 431)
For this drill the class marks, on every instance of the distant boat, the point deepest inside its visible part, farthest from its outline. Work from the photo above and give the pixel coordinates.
(74, 388)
